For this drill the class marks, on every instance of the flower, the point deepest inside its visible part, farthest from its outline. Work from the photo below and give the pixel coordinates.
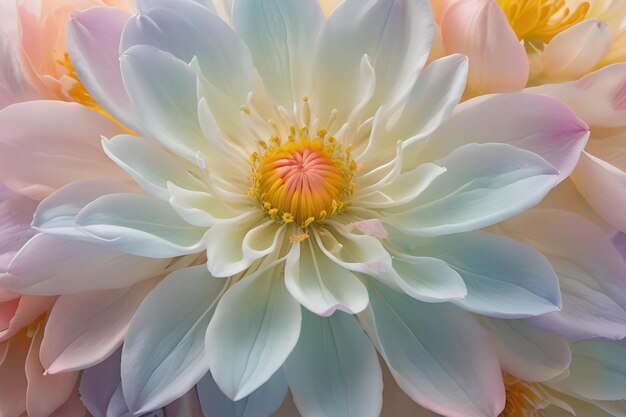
(35, 63)
(289, 162)
(512, 43)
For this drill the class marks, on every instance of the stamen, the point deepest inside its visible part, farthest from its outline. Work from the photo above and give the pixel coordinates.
(541, 20)
(302, 180)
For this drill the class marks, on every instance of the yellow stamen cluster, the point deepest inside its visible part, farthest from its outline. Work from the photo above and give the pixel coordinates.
(304, 179)
(541, 20)
(523, 400)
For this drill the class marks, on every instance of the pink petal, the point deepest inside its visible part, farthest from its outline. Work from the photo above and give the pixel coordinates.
(16, 214)
(85, 328)
(47, 144)
(480, 30)
(45, 393)
(598, 98)
(93, 42)
(533, 122)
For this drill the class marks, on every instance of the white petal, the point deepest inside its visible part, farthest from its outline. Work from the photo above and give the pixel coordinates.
(140, 225)
(261, 403)
(85, 267)
(400, 190)
(163, 90)
(395, 34)
(55, 215)
(483, 184)
(233, 246)
(321, 285)
(187, 30)
(164, 353)
(281, 36)
(430, 102)
(445, 364)
(527, 352)
(254, 329)
(334, 370)
(198, 207)
(148, 164)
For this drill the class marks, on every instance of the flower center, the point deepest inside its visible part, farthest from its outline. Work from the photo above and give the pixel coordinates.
(541, 20)
(304, 179)
(523, 400)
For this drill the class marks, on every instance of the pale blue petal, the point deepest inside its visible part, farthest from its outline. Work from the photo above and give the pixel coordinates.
(261, 403)
(320, 284)
(145, 5)
(504, 278)
(333, 370)
(255, 327)
(164, 354)
(396, 35)
(598, 370)
(528, 352)
(438, 354)
(534, 122)
(281, 36)
(483, 184)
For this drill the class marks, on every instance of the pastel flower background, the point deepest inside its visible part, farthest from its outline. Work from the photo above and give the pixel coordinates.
(293, 207)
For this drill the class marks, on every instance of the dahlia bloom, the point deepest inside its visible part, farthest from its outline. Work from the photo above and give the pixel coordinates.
(35, 63)
(514, 43)
(289, 162)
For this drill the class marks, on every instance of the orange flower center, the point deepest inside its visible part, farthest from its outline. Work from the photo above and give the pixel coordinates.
(303, 179)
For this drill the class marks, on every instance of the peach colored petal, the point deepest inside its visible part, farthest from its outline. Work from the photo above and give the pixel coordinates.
(480, 30)
(29, 308)
(45, 393)
(13, 378)
(604, 187)
(575, 51)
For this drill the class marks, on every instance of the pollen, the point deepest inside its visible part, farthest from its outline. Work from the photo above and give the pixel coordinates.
(523, 399)
(302, 179)
(541, 20)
